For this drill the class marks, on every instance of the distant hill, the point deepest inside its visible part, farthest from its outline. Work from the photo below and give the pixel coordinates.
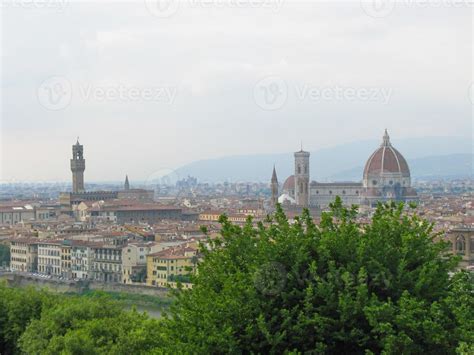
(427, 157)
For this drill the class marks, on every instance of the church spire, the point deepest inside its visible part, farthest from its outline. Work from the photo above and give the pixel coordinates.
(274, 175)
(127, 184)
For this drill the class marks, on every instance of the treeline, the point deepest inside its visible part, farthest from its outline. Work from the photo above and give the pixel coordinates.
(277, 287)
(39, 322)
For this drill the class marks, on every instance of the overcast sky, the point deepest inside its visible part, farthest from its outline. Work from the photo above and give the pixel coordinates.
(149, 88)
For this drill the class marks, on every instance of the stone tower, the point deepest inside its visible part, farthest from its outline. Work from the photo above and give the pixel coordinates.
(126, 186)
(78, 165)
(274, 186)
(302, 178)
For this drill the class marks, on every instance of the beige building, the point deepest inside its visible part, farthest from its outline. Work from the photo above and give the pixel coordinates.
(15, 214)
(49, 257)
(170, 266)
(462, 243)
(24, 255)
(134, 261)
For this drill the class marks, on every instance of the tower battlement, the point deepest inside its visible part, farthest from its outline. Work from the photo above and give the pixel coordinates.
(78, 165)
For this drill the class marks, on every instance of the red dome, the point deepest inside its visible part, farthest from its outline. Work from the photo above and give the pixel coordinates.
(386, 159)
(289, 183)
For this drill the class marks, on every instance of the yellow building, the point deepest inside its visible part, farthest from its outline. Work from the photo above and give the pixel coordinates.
(170, 266)
(233, 217)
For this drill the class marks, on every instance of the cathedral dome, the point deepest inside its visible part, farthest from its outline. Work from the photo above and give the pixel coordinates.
(386, 160)
(289, 184)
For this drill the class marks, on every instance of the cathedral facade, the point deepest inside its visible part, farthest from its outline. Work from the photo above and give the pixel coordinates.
(386, 177)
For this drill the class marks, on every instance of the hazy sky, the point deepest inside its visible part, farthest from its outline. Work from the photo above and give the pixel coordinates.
(149, 87)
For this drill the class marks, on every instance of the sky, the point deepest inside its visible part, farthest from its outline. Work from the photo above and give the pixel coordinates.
(149, 86)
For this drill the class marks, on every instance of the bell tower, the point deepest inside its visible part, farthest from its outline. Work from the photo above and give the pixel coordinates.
(302, 178)
(78, 165)
(274, 187)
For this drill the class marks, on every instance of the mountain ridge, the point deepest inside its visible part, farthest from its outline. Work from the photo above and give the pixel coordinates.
(339, 162)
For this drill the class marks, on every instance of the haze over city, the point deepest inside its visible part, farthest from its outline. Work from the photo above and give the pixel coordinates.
(146, 92)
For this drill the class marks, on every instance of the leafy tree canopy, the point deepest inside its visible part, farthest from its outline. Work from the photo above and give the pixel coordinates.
(340, 287)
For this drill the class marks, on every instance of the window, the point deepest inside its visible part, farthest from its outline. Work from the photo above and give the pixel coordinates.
(460, 245)
(374, 182)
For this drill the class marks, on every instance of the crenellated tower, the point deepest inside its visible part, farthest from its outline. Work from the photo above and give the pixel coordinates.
(78, 165)
(302, 178)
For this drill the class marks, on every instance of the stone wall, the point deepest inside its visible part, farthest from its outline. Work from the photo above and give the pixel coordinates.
(61, 286)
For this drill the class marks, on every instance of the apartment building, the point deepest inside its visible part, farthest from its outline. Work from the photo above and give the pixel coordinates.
(81, 260)
(24, 255)
(134, 261)
(49, 257)
(170, 266)
(107, 263)
(66, 259)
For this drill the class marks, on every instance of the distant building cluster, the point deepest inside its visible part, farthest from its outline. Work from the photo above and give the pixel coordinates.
(386, 178)
(115, 258)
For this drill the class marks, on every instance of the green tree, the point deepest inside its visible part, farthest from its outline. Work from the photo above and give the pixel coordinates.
(340, 287)
(17, 308)
(92, 325)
